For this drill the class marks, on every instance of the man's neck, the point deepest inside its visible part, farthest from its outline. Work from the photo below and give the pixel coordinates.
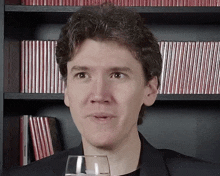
(123, 158)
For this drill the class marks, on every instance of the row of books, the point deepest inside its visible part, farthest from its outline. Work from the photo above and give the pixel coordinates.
(123, 2)
(190, 68)
(39, 70)
(34, 138)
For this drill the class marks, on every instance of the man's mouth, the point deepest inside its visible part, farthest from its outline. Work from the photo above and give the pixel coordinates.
(102, 117)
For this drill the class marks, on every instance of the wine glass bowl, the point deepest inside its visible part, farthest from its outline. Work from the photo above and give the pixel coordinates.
(90, 165)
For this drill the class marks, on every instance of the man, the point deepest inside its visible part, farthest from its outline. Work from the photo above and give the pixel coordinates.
(111, 65)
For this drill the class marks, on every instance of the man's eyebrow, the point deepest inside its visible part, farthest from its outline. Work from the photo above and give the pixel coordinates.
(79, 68)
(121, 69)
(113, 69)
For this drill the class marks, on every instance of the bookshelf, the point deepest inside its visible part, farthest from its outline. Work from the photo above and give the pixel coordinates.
(1, 78)
(167, 23)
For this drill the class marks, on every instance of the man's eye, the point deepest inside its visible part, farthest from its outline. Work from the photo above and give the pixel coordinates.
(81, 75)
(117, 75)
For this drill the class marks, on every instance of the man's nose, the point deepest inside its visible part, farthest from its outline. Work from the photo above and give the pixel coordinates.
(100, 92)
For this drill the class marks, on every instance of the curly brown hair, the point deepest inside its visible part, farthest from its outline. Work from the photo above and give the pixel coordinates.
(110, 23)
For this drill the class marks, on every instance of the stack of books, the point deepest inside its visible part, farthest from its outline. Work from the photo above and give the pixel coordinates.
(32, 138)
(190, 68)
(39, 69)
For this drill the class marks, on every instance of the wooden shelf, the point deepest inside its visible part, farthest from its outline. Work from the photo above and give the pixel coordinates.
(21, 8)
(161, 97)
(152, 15)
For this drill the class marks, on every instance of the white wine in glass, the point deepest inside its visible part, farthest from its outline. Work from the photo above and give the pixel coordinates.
(90, 165)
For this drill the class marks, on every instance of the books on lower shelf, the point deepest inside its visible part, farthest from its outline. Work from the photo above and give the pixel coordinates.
(122, 2)
(29, 138)
(188, 68)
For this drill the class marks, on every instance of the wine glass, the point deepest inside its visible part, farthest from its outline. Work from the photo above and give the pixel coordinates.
(90, 165)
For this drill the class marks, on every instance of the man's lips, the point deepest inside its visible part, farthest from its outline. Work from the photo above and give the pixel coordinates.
(102, 115)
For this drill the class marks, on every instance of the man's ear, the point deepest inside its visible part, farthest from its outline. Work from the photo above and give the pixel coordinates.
(151, 90)
(66, 98)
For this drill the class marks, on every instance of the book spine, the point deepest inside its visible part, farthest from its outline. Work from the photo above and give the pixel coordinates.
(216, 85)
(164, 66)
(56, 81)
(46, 143)
(48, 66)
(45, 69)
(172, 69)
(194, 69)
(210, 65)
(188, 82)
(168, 67)
(176, 66)
(187, 68)
(30, 43)
(43, 147)
(46, 121)
(37, 81)
(52, 67)
(178, 69)
(33, 68)
(33, 137)
(38, 138)
(196, 84)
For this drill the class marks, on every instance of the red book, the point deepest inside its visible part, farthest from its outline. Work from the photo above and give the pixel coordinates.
(168, 67)
(209, 69)
(187, 68)
(166, 55)
(38, 138)
(201, 67)
(170, 3)
(205, 70)
(164, 50)
(120, 3)
(194, 69)
(33, 137)
(40, 58)
(172, 69)
(179, 68)
(41, 137)
(45, 67)
(30, 65)
(214, 66)
(28, 2)
(184, 69)
(159, 2)
(216, 85)
(49, 2)
(49, 138)
(188, 81)
(126, 2)
(33, 68)
(45, 139)
(198, 69)
(48, 67)
(175, 67)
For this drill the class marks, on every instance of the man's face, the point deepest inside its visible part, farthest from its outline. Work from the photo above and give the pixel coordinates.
(105, 91)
